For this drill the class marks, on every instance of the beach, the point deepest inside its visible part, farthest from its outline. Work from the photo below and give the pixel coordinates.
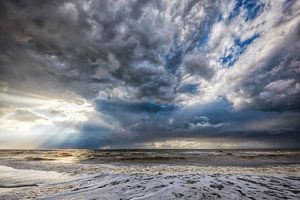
(149, 174)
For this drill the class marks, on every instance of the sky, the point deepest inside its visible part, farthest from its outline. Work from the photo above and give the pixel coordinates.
(150, 74)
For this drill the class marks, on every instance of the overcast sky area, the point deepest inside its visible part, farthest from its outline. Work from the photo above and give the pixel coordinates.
(149, 74)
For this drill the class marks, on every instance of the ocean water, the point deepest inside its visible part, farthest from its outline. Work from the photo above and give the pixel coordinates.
(247, 158)
(149, 174)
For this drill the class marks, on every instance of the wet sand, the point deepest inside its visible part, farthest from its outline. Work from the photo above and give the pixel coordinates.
(150, 174)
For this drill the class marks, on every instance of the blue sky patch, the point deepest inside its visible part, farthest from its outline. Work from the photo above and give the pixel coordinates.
(253, 8)
(233, 53)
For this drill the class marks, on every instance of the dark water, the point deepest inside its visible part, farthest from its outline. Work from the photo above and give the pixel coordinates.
(250, 158)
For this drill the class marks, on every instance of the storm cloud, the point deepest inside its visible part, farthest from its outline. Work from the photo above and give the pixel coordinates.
(105, 74)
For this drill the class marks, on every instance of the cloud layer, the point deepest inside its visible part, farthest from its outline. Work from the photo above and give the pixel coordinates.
(135, 73)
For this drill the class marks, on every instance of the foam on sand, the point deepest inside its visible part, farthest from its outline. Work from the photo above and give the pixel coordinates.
(85, 175)
(11, 178)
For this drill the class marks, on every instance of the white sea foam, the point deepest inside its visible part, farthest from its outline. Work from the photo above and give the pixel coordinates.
(56, 179)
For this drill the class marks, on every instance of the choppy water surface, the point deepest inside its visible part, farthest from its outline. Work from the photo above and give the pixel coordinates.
(245, 158)
(149, 174)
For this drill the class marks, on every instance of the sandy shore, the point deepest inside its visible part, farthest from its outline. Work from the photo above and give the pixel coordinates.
(23, 178)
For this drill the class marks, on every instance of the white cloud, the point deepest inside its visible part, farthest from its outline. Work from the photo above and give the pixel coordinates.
(273, 36)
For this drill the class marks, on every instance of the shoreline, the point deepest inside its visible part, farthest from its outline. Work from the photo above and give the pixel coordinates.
(76, 176)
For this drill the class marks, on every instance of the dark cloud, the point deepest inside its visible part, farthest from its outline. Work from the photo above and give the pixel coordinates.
(198, 65)
(156, 70)
(146, 122)
(60, 41)
(276, 86)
